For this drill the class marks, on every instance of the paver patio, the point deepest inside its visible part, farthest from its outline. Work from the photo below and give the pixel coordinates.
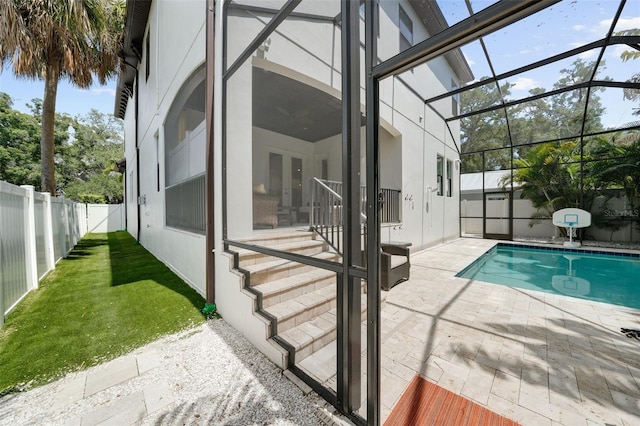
(537, 358)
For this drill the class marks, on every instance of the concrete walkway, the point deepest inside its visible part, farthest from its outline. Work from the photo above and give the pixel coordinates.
(206, 375)
(537, 358)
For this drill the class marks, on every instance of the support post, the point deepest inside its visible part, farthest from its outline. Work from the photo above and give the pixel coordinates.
(30, 238)
(48, 232)
(349, 289)
(373, 217)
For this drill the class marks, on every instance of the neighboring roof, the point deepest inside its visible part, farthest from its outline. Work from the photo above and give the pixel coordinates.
(434, 21)
(135, 25)
(472, 182)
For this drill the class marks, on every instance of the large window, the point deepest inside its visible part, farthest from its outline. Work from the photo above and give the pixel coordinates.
(147, 56)
(406, 30)
(184, 153)
(439, 174)
(449, 178)
(455, 99)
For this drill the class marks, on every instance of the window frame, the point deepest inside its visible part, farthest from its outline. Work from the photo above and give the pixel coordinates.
(440, 175)
(147, 55)
(406, 35)
(449, 177)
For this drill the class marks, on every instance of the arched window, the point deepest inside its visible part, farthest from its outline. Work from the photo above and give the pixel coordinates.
(184, 152)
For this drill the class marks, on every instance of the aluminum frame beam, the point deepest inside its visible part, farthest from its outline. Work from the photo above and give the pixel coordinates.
(480, 24)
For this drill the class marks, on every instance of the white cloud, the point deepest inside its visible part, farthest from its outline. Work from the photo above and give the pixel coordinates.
(525, 84)
(584, 55)
(617, 50)
(587, 55)
(104, 91)
(604, 24)
(574, 45)
(579, 27)
(623, 23)
(98, 91)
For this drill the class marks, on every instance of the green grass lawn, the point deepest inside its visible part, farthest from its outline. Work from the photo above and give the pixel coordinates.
(108, 297)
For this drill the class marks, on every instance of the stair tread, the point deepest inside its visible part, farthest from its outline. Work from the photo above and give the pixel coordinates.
(299, 304)
(315, 328)
(283, 284)
(311, 330)
(283, 247)
(281, 263)
(322, 360)
(277, 236)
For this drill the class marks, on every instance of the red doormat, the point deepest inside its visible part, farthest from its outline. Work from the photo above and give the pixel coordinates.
(424, 403)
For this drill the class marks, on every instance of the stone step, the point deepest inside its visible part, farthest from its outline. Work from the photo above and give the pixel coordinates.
(282, 268)
(295, 311)
(270, 238)
(308, 248)
(302, 308)
(291, 287)
(313, 335)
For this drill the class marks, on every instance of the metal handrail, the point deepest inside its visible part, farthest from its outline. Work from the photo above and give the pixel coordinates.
(325, 215)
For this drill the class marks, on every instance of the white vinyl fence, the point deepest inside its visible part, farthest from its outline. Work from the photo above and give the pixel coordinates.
(36, 231)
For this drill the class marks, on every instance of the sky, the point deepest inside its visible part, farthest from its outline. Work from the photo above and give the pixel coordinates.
(557, 29)
(70, 99)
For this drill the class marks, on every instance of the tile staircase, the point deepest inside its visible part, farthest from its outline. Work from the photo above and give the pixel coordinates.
(300, 298)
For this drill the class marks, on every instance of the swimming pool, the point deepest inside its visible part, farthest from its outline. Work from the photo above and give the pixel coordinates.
(585, 274)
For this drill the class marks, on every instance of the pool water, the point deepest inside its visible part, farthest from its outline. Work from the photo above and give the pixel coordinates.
(591, 275)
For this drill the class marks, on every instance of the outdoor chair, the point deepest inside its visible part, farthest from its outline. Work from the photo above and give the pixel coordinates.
(265, 210)
(394, 263)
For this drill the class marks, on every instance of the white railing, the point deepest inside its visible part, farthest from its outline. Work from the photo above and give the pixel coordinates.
(36, 231)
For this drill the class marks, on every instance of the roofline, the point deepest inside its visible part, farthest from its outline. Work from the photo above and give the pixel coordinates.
(131, 52)
(136, 22)
(434, 21)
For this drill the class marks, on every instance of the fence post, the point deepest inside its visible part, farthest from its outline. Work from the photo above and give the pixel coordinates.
(48, 232)
(67, 236)
(30, 238)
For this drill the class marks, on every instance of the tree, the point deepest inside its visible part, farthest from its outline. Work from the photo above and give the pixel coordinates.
(546, 118)
(549, 176)
(619, 166)
(87, 164)
(484, 131)
(53, 39)
(627, 55)
(85, 157)
(568, 107)
(19, 143)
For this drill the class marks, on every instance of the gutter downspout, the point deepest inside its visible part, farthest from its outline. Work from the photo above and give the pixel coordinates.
(139, 219)
(210, 260)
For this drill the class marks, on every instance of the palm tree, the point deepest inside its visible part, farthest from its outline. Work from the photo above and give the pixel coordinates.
(549, 176)
(53, 39)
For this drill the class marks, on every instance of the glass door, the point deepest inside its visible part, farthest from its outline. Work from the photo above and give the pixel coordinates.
(286, 183)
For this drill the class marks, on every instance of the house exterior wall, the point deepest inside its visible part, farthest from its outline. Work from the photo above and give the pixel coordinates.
(412, 138)
(309, 52)
(176, 51)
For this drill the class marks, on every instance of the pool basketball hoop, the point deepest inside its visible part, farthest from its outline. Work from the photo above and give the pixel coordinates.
(572, 219)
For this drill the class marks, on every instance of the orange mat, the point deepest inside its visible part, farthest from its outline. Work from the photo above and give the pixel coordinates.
(424, 403)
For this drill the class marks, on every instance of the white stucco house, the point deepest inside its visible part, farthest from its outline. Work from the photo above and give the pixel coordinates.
(236, 158)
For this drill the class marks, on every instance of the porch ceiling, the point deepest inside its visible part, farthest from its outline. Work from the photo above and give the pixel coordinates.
(290, 107)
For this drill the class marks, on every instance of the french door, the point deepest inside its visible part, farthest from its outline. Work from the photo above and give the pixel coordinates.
(286, 179)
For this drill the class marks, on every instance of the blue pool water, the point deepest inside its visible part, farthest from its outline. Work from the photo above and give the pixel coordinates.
(584, 274)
